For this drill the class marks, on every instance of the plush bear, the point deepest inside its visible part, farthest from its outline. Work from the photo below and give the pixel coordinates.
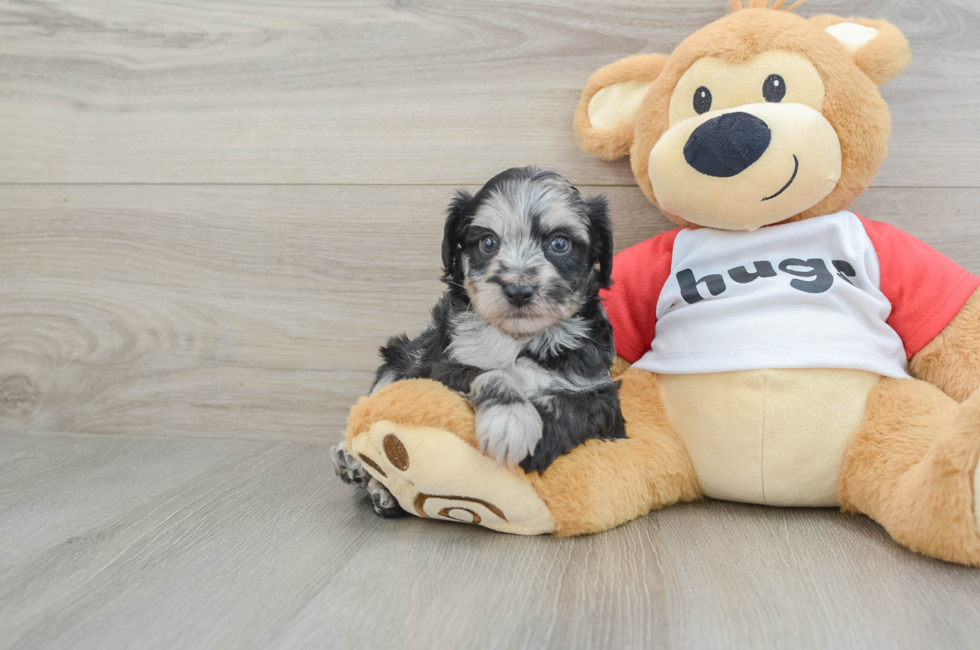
(774, 348)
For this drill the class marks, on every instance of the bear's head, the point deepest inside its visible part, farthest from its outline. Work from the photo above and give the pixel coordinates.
(762, 117)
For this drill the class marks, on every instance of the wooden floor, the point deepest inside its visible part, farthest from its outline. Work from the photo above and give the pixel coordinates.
(211, 214)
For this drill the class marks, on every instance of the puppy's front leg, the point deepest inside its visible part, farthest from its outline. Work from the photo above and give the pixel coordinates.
(508, 426)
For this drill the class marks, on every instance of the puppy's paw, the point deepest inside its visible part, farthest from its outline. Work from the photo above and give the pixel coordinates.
(385, 504)
(508, 432)
(349, 469)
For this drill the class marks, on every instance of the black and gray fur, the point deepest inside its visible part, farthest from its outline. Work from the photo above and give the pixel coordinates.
(521, 330)
(352, 472)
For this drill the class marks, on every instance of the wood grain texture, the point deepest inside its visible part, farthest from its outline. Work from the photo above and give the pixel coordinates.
(255, 312)
(141, 543)
(296, 159)
(367, 91)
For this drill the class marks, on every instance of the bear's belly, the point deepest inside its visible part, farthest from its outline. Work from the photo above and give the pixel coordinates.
(775, 437)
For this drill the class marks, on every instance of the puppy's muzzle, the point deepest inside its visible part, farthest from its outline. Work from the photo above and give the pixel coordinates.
(726, 145)
(519, 294)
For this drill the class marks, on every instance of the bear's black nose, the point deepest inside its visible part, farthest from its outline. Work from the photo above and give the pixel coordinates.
(726, 145)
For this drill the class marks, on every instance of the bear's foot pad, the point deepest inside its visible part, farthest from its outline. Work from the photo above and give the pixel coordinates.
(433, 474)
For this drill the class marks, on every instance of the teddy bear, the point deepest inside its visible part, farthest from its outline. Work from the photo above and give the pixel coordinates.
(774, 348)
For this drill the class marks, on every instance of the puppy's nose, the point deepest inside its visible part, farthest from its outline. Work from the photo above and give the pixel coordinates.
(726, 145)
(519, 294)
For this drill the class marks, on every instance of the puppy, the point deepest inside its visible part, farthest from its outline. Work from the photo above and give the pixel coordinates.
(520, 331)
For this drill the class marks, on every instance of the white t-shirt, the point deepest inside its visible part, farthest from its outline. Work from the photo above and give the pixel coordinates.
(807, 294)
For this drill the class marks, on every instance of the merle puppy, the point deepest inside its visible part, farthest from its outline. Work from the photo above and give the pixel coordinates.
(520, 331)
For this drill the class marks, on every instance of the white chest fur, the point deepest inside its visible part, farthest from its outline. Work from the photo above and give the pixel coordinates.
(479, 344)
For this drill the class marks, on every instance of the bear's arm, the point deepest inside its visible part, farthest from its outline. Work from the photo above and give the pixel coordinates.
(620, 365)
(935, 309)
(951, 361)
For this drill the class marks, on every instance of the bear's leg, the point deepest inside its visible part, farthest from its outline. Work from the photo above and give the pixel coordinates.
(602, 484)
(417, 439)
(912, 466)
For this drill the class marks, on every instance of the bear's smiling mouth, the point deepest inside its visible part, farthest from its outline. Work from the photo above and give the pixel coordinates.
(796, 168)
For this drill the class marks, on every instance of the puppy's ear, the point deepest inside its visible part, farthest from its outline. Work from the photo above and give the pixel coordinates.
(600, 233)
(452, 238)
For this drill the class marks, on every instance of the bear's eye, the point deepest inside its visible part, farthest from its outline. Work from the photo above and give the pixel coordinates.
(488, 244)
(774, 88)
(702, 100)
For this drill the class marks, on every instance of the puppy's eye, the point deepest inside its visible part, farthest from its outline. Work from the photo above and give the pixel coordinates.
(774, 88)
(488, 244)
(560, 245)
(702, 100)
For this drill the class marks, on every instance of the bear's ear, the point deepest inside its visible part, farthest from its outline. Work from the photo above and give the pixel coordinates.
(605, 113)
(878, 48)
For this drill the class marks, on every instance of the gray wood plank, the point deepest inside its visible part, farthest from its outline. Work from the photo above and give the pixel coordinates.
(142, 543)
(373, 92)
(255, 312)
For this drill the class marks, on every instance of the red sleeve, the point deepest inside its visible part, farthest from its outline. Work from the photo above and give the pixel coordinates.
(638, 274)
(926, 288)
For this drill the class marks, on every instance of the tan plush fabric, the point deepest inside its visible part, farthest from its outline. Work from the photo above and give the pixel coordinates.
(853, 105)
(912, 465)
(884, 56)
(797, 130)
(421, 467)
(729, 87)
(851, 35)
(775, 437)
(603, 484)
(620, 365)
(617, 103)
(419, 402)
(952, 359)
(610, 144)
(976, 496)
(419, 439)
(598, 486)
